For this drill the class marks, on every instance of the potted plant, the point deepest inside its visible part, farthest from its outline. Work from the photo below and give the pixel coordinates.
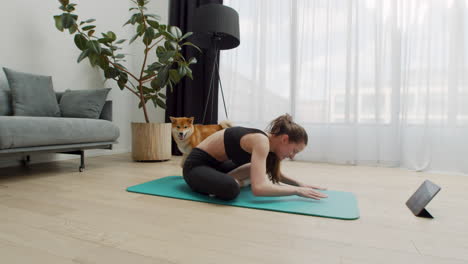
(150, 141)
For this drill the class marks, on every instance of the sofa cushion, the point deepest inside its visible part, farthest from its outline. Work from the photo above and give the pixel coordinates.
(23, 131)
(5, 96)
(32, 95)
(83, 103)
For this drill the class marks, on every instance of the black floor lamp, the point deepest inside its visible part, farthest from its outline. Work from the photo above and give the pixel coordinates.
(216, 27)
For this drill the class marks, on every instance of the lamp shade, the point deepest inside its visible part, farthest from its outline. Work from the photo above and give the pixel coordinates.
(216, 23)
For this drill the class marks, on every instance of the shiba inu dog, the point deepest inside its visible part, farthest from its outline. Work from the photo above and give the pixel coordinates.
(187, 135)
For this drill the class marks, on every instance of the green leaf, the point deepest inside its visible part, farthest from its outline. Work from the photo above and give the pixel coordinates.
(163, 75)
(192, 60)
(182, 71)
(162, 95)
(141, 2)
(58, 22)
(156, 84)
(128, 22)
(188, 34)
(80, 41)
(175, 31)
(104, 41)
(86, 28)
(153, 16)
(155, 66)
(170, 86)
(133, 38)
(140, 29)
(90, 20)
(83, 55)
(120, 41)
(120, 56)
(167, 56)
(73, 29)
(106, 52)
(170, 45)
(90, 33)
(146, 90)
(111, 73)
(94, 46)
(169, 35)
(123, 79)
(153, 23)
(67, 20)
(139, 18)
(174, 75)
(111, 36)
(160, 103)
(160, 50)
(103, 62)
(149, 35)
(92, 58)
(189, 72)
(64, 2)
(191, 44)
(70, 7)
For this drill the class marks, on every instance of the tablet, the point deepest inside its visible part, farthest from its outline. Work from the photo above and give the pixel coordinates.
(423, 195)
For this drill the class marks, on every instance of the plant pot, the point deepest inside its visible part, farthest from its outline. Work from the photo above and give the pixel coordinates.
(151, 141)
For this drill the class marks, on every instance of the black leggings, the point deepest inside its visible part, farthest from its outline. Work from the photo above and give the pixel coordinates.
(204, 174)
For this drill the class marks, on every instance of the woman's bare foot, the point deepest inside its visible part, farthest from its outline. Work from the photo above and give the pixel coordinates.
(243, 183)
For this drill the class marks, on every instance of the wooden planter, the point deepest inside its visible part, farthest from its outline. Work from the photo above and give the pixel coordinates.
(151, 141)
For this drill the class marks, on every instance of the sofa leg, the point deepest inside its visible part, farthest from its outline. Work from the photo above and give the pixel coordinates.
(82, 164)
(26, 160)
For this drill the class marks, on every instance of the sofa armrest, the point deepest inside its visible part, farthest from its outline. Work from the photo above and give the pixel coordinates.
(106, 113)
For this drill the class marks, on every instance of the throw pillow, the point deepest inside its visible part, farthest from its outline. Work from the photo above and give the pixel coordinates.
(83, 103)
(5, 96)
(32, 95)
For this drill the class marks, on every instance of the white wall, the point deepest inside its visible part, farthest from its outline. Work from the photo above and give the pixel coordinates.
(31, 43)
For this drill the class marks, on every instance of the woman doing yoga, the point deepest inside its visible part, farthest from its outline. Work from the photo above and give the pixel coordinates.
(229, 158)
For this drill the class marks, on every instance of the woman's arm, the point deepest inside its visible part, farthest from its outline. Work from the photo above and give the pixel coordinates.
(261, 185)
(288, 180)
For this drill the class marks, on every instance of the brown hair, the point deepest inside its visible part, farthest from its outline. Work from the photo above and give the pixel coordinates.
(283, 125)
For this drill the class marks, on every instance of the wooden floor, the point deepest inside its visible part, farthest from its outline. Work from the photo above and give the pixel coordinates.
(51, 213)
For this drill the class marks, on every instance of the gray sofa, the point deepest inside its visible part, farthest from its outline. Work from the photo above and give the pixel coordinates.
(24, 136)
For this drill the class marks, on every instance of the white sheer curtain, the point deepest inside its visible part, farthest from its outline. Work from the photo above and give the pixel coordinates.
(374, 82)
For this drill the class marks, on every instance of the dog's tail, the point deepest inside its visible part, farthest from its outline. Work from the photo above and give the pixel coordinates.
(225, 124)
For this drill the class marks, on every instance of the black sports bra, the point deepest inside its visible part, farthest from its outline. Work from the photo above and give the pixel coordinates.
(234, 151)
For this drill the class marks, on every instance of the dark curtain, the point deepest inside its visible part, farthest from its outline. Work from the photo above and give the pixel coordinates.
(189, 97)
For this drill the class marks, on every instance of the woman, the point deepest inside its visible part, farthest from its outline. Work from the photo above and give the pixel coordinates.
(224, 161)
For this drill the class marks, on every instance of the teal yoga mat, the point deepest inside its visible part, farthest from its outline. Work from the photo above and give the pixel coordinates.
(339, 205)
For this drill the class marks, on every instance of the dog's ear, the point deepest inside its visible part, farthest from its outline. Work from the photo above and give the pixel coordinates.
(172, 119)
(191, 120)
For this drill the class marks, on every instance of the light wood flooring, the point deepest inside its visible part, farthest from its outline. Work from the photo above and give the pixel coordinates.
(51, 213)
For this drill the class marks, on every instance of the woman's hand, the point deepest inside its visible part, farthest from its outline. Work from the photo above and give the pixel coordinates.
(309, 192)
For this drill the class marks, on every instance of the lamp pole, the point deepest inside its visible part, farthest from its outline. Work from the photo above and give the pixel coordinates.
(215, 39)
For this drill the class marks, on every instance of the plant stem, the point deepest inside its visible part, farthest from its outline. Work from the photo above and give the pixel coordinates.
(140, 80)
(123, 69)
(130, 89)
(156, 43)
